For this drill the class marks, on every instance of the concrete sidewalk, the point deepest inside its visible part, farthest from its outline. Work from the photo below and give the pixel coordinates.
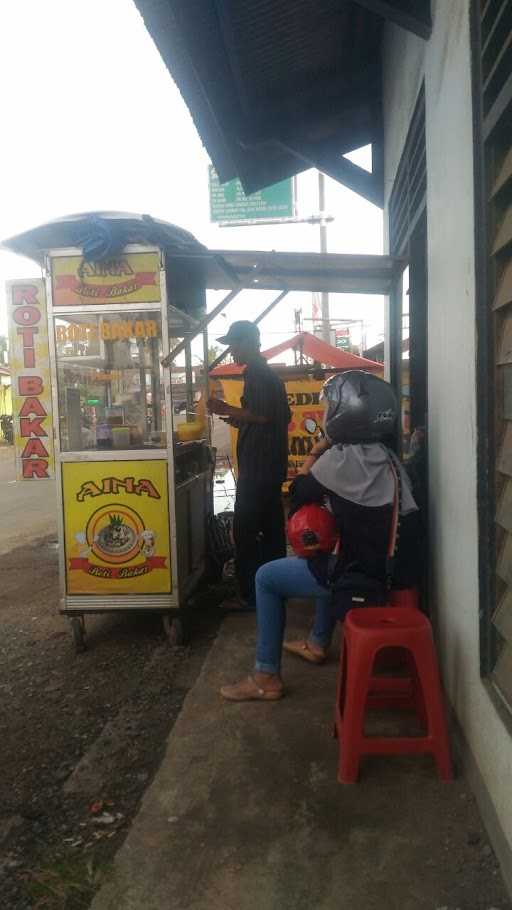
(245, 812)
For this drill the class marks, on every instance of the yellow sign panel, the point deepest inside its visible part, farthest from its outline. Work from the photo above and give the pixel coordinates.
(304, 402)
(31, 388)
(127, 278)
(116, 527)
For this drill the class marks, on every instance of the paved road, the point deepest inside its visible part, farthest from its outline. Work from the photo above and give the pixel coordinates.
(27, 508)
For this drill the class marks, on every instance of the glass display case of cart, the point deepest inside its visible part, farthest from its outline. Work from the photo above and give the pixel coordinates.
(110, 382)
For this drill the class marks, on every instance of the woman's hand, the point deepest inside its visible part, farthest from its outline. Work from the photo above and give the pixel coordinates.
(320, 447)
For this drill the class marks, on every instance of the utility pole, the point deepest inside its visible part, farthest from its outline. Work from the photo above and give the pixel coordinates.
(326, 322)
(298, 330)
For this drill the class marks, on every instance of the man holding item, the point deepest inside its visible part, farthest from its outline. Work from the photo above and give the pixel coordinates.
(262, 455)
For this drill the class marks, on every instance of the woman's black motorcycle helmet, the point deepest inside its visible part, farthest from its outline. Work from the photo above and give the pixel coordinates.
(361, 408)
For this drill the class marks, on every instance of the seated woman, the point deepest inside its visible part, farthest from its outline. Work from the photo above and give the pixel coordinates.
(369, 494)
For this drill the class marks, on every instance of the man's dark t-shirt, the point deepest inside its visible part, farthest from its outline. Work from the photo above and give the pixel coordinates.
(262, 449)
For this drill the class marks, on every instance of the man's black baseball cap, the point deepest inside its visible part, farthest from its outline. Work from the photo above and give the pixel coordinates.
(243, 330)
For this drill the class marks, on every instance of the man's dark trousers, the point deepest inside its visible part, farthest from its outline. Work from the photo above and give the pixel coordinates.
(258, 530)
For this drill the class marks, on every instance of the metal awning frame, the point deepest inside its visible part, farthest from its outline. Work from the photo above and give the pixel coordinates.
(310, 272)
(258, 319)
(336, 273)
(229, 270)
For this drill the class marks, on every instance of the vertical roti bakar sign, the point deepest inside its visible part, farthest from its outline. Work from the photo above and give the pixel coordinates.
(31, 390)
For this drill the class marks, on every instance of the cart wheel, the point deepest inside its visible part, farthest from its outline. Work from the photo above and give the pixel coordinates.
(174, 629)
(78, 631)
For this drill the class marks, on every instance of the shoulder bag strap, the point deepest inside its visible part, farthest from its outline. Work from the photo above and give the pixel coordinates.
(394, 532)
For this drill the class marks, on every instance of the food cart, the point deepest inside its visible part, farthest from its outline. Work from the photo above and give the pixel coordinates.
(94, 409)
(120, 298)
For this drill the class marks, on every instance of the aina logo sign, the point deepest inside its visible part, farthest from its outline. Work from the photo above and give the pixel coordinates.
(117, 528)
(134, 277)
(112, 268)
(114, 485)
(115, 538)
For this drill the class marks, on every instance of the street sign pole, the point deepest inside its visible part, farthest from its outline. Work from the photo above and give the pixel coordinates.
(251, 222)
(326, 324)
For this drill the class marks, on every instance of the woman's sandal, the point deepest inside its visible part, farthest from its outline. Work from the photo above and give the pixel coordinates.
(249, 690)
(302, 649)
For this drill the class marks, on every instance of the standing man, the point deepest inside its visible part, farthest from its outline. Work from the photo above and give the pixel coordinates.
(262, 455)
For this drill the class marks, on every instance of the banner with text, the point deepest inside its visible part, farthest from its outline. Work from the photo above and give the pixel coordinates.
(304, 402)
(127, 278)
(31, 388)
(228, 201)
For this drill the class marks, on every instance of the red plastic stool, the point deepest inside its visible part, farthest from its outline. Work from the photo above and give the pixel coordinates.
(404, 597)
(366, 631)
(396, 658)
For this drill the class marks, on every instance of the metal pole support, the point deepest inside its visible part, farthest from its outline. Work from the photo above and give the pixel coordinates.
(262, 315)
(198, 328)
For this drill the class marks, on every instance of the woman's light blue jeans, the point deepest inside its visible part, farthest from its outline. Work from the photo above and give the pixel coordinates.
(275, 582)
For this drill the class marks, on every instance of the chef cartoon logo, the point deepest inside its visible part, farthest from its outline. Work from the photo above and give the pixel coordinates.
(115, 536)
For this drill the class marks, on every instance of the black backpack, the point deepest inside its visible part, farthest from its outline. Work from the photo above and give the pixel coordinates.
(220, 538)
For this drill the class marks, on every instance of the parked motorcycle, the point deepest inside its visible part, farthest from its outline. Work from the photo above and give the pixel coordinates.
(6, 427)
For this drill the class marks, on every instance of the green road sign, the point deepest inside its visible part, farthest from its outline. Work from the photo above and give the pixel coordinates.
(343, 342)
(228, 201)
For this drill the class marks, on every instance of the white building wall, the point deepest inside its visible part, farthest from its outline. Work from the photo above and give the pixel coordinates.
(404, 58)
(445, 63)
